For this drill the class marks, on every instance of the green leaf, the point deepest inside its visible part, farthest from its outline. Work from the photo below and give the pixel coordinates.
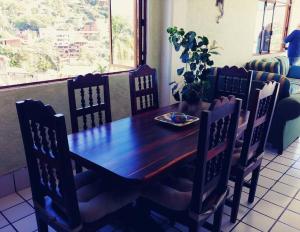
(191, 35)
(204, 50)
(205, 40)
(201, 67)
(184, 58)
(181, 32)
(177, 47)
(174, 39)
(189, 77)
(193, 45)
(193, 66)
(200, 44)
(214, 52)
(180, 71)
(210, 62)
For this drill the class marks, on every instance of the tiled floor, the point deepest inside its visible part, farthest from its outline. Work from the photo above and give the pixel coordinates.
(276, 207)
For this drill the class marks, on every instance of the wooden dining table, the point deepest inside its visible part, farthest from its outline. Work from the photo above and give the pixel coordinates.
(139, 148)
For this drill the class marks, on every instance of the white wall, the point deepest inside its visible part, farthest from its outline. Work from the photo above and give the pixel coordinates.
(234, 33)
(295, 15)
(160, 17)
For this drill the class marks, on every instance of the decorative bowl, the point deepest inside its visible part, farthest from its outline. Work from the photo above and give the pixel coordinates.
(178, 117)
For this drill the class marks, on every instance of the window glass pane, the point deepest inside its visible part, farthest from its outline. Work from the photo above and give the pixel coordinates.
(258, 26)
(50, 39)
(123, 33)
(266, 32)
(278, 27)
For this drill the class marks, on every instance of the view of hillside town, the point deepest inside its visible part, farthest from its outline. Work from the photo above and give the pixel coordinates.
(50, 39)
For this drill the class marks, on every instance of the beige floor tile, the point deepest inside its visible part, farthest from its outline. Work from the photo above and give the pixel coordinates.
(290, 180)
(258, 221)
(9, 201)
(294, 206)
(285, 189)
(274, 175)
(17, 212)
(242, 227)
(277, 198)
(27, 224)
(281, 227)
(290, 218)
(268, 209)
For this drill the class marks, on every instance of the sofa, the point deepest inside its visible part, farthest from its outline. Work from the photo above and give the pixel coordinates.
(285, 127)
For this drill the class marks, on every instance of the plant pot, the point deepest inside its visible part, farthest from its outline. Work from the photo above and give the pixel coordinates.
(190, 108)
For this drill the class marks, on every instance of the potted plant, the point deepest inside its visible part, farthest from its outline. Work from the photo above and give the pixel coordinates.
(195, 55)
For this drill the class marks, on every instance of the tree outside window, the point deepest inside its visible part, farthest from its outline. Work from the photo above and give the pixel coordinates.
(52, 39)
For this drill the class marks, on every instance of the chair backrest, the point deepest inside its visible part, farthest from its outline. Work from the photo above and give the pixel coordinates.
(47, 153)
(92, 90)
(217, 136)
(234, 81)
(143, 89)
(261, 108)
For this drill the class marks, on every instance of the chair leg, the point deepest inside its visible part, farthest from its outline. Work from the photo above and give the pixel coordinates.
(42, 226)
(194, 227)
(236, 197)
(218, 218)
(253, 184)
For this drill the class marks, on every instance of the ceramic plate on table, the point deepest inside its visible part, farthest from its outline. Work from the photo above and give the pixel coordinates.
(166, 118)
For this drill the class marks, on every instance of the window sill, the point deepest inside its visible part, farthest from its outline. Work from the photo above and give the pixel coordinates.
(54, 81)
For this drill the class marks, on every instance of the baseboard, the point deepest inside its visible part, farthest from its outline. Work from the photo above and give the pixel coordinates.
(14, 181)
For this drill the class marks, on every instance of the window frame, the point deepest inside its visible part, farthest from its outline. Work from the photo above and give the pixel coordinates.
(112, 63)
(140, 47)
(288, 4)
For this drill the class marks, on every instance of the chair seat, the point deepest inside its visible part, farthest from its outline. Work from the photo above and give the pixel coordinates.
(175, 193)
(97, 199)
(84, 178)
(172, 193)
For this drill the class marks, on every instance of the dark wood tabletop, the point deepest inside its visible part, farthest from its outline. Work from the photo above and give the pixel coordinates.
(138, 148)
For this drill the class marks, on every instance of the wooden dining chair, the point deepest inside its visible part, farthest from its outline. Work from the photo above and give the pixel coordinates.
(143, 89)
(248, 159)
(234, 81)
(92, 90)
(65, 202)
(193, 201)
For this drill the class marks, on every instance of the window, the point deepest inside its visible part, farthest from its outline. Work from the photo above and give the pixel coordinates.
(123, 33)
(53, 39)
(271, 25)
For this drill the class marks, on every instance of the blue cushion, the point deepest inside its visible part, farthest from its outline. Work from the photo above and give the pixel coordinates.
(294, 72)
